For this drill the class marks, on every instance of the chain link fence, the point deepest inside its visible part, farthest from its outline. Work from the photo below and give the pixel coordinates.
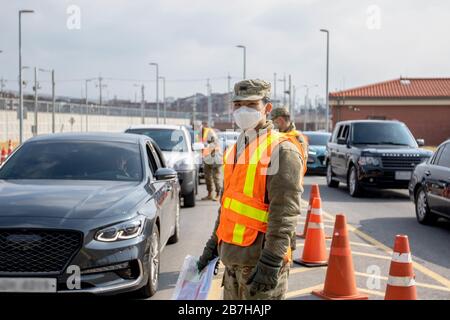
(70, 117)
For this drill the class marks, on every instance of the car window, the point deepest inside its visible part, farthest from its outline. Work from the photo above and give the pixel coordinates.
(167, 139)
(436, 155)
(336, 133)
(444, 159)
(344, 132)
(391, 133)
(159, 155)
(151, 160)
(75, 160)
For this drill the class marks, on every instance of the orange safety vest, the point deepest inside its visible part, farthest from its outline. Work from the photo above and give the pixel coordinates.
(244, 211)
(295, 134)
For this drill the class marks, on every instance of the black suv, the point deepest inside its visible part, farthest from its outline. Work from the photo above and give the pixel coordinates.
(372, 153)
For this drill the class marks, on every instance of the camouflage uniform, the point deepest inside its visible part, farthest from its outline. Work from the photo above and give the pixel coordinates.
(213, 168)
(283, 194)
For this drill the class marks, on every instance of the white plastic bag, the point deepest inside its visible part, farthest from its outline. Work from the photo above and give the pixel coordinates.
(192, 285)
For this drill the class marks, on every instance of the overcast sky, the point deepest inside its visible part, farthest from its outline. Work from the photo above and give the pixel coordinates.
(192, 40)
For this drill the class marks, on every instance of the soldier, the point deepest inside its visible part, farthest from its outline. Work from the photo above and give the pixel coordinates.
(254, 233)
(282, 121)
(212, 166)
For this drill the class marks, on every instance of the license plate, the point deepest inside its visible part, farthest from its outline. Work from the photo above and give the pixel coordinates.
(402, 175)
(30, 285)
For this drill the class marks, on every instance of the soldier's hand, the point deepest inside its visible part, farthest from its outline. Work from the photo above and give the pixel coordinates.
(209, 253)
(265, 275)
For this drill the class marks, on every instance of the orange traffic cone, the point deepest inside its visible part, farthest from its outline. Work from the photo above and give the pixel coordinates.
(340, 282)
(314, 193)
(401, 282)
(10, 149)
(3, 156)
(314, 250)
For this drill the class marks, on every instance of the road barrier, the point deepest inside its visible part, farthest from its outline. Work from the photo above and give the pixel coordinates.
(340, 282)
(315, 249)
(401, 282)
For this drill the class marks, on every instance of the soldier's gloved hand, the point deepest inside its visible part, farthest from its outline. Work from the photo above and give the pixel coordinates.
(209, 253)
(265, 275)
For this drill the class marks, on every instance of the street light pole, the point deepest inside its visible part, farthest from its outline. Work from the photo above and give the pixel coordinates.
(157, 90)
(87, 103)
(164, 99)
(35, 102)
(20, 76)
(142, 104)
(245, 60)
(327, 93)
(208, 89)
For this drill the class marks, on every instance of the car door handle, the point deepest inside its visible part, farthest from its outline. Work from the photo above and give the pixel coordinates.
(427, 172)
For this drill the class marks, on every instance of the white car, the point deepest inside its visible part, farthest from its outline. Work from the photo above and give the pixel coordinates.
(179, 152)
(228, 138)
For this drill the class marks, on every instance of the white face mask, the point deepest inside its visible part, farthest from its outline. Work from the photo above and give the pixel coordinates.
(247, 118)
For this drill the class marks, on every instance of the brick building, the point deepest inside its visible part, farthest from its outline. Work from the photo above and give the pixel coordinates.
(423, 104)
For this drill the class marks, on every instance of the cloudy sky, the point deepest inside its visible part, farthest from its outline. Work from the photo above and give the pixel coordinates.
(195, 39)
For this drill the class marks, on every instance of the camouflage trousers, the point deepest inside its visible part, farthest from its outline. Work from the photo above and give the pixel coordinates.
(213, 177)
(235, 284)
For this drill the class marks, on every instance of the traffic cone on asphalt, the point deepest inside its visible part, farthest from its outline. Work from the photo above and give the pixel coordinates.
(10, 149)
(401, 282)
(314, 193)
(314, 250)
(340, 282)
(3, 155)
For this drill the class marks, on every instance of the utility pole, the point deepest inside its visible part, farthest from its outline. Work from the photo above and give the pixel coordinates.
(157, 89)
(230, 109)
(142, 104)
(275, 89)
(326, 85)
(194, 110)
(2, 86)
(284, 89)
(87, 102)
(20, 76)
(290, 94)
(294, 93)
(208, 90)
(35, 88)
(100, 87)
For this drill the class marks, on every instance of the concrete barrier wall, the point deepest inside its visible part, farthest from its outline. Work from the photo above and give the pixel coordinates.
(9, 124)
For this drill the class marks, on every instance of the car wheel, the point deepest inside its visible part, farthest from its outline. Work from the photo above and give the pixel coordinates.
(176, 235)
(153, 271)
(330, 182)
(354, 187)
(423, 213)
(189, 199)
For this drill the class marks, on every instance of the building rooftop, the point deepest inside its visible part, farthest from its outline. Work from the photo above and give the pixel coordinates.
(400, 88)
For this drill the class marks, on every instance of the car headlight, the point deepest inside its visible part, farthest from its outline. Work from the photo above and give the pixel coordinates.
(122, 231)
(371, 161)
(184, 164)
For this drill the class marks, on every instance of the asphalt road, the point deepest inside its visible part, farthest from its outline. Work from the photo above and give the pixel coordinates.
(373, 220)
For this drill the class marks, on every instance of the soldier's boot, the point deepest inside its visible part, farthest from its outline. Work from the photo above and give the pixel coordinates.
(208, 197)
(216, 197)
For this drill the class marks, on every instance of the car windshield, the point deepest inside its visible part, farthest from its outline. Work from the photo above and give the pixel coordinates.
(167, 139)
(75, 160)
(317, 139)
(391, 133)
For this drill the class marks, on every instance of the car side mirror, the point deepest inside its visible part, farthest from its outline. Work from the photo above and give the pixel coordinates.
(197, 146)
(165, 174)
(420, 142)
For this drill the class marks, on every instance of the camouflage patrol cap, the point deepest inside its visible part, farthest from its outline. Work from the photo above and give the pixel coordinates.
(251, 89)
(279, 112)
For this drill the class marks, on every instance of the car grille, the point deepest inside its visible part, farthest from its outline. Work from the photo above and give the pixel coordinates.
(400, 162)
(37, 251)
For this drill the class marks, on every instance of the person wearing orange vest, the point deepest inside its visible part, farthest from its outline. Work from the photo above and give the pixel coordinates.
(263, 175)
(282, 121)
(212, 162)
